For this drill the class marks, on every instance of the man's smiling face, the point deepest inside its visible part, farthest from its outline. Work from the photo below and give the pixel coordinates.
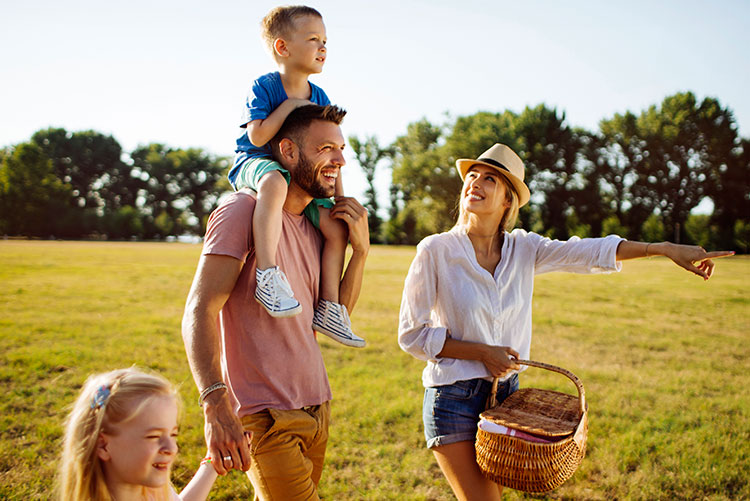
(321, 156)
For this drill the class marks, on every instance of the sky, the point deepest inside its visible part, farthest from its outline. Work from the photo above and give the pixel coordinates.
(177, 72)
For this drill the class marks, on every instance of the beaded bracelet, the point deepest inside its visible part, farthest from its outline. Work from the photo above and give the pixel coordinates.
(216, 386)
(205, 460)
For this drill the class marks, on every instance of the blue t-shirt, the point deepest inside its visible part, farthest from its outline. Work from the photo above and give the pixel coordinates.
(266, 94)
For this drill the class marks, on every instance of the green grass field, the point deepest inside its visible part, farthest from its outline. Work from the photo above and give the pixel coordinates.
(664, 358)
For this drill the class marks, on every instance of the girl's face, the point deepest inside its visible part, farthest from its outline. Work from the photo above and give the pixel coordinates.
(483, 192)
(140, 451)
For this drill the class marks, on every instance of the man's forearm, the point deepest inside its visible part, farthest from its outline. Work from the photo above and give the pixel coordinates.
(213, 282)
(202, 346)
(351, 284)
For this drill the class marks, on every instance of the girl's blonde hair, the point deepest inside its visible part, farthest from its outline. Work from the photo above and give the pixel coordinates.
(508, 222)
(106, 400)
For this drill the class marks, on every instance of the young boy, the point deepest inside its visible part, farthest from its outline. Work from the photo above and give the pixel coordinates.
(296, 37)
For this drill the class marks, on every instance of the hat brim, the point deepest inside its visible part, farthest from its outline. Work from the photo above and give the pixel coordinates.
(464, 164)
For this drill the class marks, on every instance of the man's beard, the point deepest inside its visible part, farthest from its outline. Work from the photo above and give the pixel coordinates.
(303, 175)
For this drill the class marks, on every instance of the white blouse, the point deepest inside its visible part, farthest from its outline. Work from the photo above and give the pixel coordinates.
(447, 290)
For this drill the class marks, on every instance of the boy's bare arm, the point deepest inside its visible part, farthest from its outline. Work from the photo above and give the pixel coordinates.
(262, 130)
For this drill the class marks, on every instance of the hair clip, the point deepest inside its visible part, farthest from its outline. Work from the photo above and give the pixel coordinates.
(100, 397)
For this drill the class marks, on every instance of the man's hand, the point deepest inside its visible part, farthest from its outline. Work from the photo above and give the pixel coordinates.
(227, 443)
(351, 212)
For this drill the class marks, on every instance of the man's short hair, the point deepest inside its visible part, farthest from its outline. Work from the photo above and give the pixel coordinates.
(298, 121)
(279, 23)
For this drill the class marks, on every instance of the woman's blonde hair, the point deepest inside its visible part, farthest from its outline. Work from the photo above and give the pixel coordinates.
(106, 400)
(508, 222)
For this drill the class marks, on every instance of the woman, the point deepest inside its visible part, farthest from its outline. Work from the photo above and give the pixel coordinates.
(466, 306)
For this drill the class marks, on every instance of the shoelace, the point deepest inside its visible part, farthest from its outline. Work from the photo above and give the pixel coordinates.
(279, 280)
(345, 314)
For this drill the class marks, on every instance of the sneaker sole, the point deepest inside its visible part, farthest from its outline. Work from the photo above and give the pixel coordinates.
(354, 343)
(281, 314)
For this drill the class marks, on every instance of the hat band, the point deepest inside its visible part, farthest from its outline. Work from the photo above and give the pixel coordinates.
(493, 162)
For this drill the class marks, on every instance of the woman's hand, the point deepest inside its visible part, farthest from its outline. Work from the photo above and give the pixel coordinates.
(692, 257)
(500, 360)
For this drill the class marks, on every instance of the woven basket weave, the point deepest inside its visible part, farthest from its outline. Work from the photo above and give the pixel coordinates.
(529, 466)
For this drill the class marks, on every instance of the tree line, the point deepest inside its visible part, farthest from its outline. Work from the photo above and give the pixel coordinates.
(639, 175)
(82, 185)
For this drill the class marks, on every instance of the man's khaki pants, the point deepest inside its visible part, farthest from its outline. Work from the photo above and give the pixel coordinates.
(288, 452)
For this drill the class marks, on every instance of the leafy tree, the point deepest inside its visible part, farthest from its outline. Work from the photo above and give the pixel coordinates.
(592, 202)
(663, 160)
(427, 185)
(91, 163)
(472, 135)
(549, 149)
(729, 190)
(124, 223)
(177, 181)
(624, 153)
(32, 199)
(700, 231)
(653, 229)
(683, 138)
(369, 154)
(742, 235)
(613, 226)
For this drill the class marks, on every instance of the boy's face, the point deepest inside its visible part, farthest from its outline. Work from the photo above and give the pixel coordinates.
(305, 46)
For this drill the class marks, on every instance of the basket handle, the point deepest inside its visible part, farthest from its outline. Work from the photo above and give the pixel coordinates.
(581, 393)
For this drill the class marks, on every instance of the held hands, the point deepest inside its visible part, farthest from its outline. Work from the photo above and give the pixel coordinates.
(500, 360)
(694, 258)
(351, 212)
(228, 444)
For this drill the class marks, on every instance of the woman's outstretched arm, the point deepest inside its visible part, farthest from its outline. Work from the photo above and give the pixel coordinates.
(691, 257)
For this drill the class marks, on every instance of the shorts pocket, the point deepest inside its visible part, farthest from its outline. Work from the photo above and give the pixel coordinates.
(460, 390)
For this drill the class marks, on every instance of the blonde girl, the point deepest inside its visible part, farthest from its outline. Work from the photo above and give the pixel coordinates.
(120, 442)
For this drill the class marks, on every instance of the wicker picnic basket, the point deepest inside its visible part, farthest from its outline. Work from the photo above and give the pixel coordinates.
(530, 466)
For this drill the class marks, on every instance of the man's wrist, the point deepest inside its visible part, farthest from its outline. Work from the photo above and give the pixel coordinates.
(361, 250)
(213, 388)
(215, 399)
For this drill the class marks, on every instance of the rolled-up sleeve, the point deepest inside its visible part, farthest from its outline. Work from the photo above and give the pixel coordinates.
(587, 255)
(416, 334)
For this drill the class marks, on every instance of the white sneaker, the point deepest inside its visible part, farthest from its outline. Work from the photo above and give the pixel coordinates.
(275, 294)
(332, 320)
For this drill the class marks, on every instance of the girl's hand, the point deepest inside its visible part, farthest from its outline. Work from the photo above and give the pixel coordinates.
(500, 360)
(694, 258)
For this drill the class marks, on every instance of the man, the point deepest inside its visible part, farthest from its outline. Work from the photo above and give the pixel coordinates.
(263, 375)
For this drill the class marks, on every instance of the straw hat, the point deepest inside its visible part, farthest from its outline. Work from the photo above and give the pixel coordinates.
(504, 160)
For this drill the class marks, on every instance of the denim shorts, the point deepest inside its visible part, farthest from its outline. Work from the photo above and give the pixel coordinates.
(451, 412)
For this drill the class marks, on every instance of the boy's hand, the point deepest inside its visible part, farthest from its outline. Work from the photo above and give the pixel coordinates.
(296, 103)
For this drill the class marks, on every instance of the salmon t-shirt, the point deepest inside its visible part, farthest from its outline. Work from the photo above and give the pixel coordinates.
(268, 362)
